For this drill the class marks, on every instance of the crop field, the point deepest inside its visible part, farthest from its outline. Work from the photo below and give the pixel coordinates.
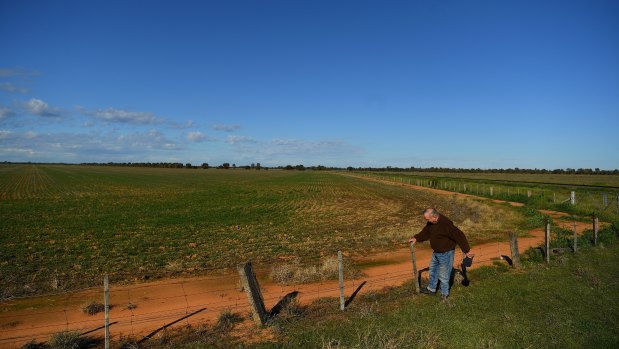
(61, 227)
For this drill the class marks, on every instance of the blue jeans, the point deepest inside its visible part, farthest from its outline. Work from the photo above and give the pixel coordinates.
(441, 265)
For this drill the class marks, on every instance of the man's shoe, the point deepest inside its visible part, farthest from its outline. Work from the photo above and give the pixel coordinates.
(444, 298)
(428, 292)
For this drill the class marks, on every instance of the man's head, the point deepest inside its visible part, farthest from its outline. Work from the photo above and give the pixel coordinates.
(431, 215)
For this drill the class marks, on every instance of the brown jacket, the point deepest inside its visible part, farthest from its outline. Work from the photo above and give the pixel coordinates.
(443, 236)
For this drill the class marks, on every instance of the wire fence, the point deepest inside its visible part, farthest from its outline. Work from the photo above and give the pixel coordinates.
(581, 199)
(138, 309)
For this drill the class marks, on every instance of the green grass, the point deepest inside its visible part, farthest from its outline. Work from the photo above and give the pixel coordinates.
(571, 303)
(62, 227)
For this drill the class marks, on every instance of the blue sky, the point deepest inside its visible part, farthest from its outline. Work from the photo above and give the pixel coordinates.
(488, 84)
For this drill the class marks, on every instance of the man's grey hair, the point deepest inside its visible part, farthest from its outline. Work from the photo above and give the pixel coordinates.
(431, 212)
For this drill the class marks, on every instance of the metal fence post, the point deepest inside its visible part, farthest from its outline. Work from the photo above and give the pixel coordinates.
(575, 238)
(340, 267)
(415, 279)
(106, 302)
(595, 230)
(547, 241)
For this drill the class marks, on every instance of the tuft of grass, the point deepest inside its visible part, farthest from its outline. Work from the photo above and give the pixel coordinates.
(227, 320)
(65, 340)
(93, 308)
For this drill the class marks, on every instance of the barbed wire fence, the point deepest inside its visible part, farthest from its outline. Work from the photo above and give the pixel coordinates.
(201, 300)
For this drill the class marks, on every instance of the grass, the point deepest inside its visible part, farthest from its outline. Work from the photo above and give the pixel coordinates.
(571, 303)
(62, 227)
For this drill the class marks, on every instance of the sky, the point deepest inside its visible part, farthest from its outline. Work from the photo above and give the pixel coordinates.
(425, 83)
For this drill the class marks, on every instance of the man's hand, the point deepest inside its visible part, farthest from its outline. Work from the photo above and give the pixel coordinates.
(412, 240)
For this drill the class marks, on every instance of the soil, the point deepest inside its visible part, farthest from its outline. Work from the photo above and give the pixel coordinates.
(137, 310)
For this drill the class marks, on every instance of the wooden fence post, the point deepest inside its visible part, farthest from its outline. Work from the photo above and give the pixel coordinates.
(106, 303)
(415, 279)
(513, 245)
(491, 191)
(252, 290)
(340, 267)
(575, 238)
(595, 230)
(547, 241)
(573, 197)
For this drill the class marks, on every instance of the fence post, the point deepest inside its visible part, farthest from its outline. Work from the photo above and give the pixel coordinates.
(575, 238)
(513, 245)
(340, 267)
(528, 193)
(573, 197)
(252, 290)
(547, 241)
(491, 191)
(595, 230)
(415, 279)
(605, 200)
(106, 302)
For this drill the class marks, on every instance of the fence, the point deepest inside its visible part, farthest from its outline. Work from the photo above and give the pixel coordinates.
(143, 311)
(586, 200)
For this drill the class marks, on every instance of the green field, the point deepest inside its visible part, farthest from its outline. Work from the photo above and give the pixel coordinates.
(61, 227)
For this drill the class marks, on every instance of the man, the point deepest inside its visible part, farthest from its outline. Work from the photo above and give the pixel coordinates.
(443, 236)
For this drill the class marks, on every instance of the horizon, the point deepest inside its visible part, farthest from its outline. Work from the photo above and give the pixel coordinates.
(475, 85)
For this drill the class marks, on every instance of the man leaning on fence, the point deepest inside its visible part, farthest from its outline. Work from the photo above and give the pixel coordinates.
(443, 236)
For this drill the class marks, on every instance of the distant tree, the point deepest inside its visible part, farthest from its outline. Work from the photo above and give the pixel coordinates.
(258, 166)
(188, 165)
(288, 167)
(205, 165)
(226, 165)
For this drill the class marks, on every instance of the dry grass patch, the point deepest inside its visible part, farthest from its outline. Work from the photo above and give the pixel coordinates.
(294, 272)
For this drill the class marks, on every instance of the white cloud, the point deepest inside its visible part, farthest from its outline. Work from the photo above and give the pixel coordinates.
(9, 87)
(123, 116)
(4, 134)
(239, 139)
(40, 108)
(196, 137)
(225, 128)
(30, 134)
(7, 72)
